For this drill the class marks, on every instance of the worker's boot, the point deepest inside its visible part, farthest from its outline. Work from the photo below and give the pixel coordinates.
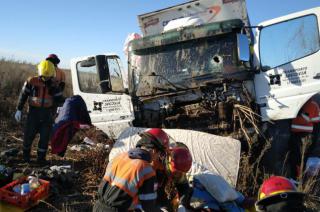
(26, 156)
(41, 160)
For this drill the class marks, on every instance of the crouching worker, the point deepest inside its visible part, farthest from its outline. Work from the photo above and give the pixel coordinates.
(178, 163)
(279, 194)
(41, 93)
(130, 178)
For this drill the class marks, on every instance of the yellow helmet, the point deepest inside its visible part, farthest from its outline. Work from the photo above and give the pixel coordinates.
(46, 69)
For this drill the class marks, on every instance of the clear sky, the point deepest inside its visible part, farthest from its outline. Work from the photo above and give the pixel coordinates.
(32, 29)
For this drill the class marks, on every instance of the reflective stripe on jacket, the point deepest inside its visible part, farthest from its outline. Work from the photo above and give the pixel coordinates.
(39, 93)
(39, 97)
(129, 175)
(310, 114)
(299, 124)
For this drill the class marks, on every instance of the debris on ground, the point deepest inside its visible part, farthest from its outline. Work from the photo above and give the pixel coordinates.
(73, 178)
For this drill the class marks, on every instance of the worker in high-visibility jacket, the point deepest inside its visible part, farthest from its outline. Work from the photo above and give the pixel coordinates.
(306, 127)
(41, 94)
(60, 78)
(130, 178)
(287, 137)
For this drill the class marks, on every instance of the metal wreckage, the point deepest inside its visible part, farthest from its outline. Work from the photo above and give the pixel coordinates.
(200, 66)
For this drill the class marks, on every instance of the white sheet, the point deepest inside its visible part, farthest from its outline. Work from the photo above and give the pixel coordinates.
(220, 155)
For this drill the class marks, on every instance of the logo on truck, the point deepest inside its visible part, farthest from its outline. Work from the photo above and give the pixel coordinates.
(151, 22)
(213, 11)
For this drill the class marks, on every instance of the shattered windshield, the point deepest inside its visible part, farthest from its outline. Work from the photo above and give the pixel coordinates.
(181, 65)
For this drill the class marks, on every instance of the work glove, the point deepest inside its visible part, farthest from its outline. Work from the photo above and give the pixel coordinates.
(164, 209)
(18, 115)
(181, 208)
(313, 166)
(58, 110)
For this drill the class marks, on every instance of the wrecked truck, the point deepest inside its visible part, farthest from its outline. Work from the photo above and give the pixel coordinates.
(198, 66)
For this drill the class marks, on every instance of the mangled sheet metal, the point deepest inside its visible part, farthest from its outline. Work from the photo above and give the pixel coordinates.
(217, 154)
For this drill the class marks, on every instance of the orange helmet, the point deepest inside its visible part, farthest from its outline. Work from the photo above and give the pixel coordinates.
(180, 160)
(158, 135)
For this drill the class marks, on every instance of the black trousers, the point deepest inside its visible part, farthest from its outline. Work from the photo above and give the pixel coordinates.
(40, 121)
(100, 207)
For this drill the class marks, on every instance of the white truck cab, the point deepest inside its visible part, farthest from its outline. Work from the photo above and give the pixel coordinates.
(287, 56)
(109, 106)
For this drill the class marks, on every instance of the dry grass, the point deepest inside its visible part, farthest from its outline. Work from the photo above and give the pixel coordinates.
(251, 174)
(14, 73)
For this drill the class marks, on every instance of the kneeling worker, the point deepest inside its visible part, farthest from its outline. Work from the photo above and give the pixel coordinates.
(178, 163)
(130, 179)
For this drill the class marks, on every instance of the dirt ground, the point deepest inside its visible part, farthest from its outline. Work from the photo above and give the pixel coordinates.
(74, 190)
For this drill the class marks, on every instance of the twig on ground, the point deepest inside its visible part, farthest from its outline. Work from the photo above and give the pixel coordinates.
(17, 139)
(51, 206)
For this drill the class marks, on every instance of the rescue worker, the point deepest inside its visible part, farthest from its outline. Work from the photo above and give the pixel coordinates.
(284, 157)
(306, 129)
(171, 170)
(41, 93)
(130, 178)
(178, 163)
(279, 194)
(60, 75)
(163, 138)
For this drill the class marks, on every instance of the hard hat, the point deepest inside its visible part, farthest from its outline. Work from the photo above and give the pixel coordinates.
(279, 194)
(159, 136)
(276, 185)
(46, 69)
(54, 59)
(180, 160)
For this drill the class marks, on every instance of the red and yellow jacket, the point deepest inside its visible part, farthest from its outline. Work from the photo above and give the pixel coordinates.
(308, 116)
(39, 94)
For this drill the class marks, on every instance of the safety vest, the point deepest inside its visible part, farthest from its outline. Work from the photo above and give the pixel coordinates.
(299, 124)
(39, 93)
(128, 174)
(310, 114)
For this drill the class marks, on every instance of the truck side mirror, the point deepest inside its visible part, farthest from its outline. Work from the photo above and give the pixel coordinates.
(243, 48)
(103, 73)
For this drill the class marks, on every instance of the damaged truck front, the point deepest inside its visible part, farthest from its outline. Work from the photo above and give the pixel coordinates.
(191, 66)
(190, 78)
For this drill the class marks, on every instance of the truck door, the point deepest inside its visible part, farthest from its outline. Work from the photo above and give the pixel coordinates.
(287, 54)
(98, 80)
